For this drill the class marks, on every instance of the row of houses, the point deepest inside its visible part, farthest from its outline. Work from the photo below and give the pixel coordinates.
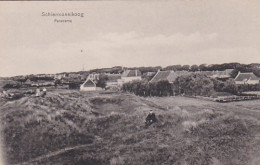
(117, 80)
(171, 76)
(28, 83)
(114, 80)
(241, 78)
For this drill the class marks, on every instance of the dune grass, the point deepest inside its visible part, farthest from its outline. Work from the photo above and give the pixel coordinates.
(188, 131)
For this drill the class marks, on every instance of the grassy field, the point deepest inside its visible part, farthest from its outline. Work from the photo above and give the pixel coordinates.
(70, 127)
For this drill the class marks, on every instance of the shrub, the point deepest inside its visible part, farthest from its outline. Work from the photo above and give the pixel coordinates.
(144, 88)
(193, 84)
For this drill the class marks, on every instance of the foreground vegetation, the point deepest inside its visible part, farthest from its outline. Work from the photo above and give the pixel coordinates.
(69, 127)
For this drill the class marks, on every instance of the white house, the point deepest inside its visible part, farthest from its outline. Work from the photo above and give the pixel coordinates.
(59, 76)
(246, 78)
(94, 76)
(130, 75)
(91, 83)
(88, 85)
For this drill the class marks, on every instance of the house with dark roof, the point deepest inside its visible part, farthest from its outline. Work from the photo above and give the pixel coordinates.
(170, 76)
(130, 75)
(246, 78)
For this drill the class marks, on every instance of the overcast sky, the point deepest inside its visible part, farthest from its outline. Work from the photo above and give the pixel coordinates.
(136, 33)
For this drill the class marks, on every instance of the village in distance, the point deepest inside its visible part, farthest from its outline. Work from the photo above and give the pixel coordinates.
(220, 80)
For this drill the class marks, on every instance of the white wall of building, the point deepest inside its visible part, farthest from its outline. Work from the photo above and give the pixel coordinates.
(128, 79)
(252, 81)
(82, 88)
(247, 82)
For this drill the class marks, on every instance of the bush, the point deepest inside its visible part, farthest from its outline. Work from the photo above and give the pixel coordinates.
(144, 88)
(11, 85)
(193, 84)
(102, 81)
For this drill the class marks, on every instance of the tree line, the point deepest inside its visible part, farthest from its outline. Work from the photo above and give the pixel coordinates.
(193, 84)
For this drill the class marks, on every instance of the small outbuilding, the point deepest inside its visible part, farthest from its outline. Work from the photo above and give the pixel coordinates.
(88, 85)
(28, 82)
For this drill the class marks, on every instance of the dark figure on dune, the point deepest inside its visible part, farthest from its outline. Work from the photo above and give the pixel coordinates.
(150, 119)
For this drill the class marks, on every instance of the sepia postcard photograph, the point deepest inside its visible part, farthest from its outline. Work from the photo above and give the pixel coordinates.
(122, 82)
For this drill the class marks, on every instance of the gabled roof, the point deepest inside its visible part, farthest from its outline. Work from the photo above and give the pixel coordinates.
(161, 75)
(246, 77)
(167, 75)
(28, 81)
(89, 83)
(131, 73)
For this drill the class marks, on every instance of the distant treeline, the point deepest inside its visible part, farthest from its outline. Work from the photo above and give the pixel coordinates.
(254, 67)
(193, 84)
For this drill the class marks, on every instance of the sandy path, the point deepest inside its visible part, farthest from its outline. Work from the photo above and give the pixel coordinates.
(55, 153)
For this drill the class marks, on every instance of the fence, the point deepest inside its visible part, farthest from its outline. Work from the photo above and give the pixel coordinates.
(236, 98)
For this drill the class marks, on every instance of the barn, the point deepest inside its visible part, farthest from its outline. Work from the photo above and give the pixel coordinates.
(169, 76)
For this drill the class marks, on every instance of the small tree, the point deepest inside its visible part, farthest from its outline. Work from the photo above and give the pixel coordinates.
(186, 67)
(102, 81)
(230, 87)
(203, 67)
(193, 84)
(153, 89)
(164, 88)
(194, 68)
